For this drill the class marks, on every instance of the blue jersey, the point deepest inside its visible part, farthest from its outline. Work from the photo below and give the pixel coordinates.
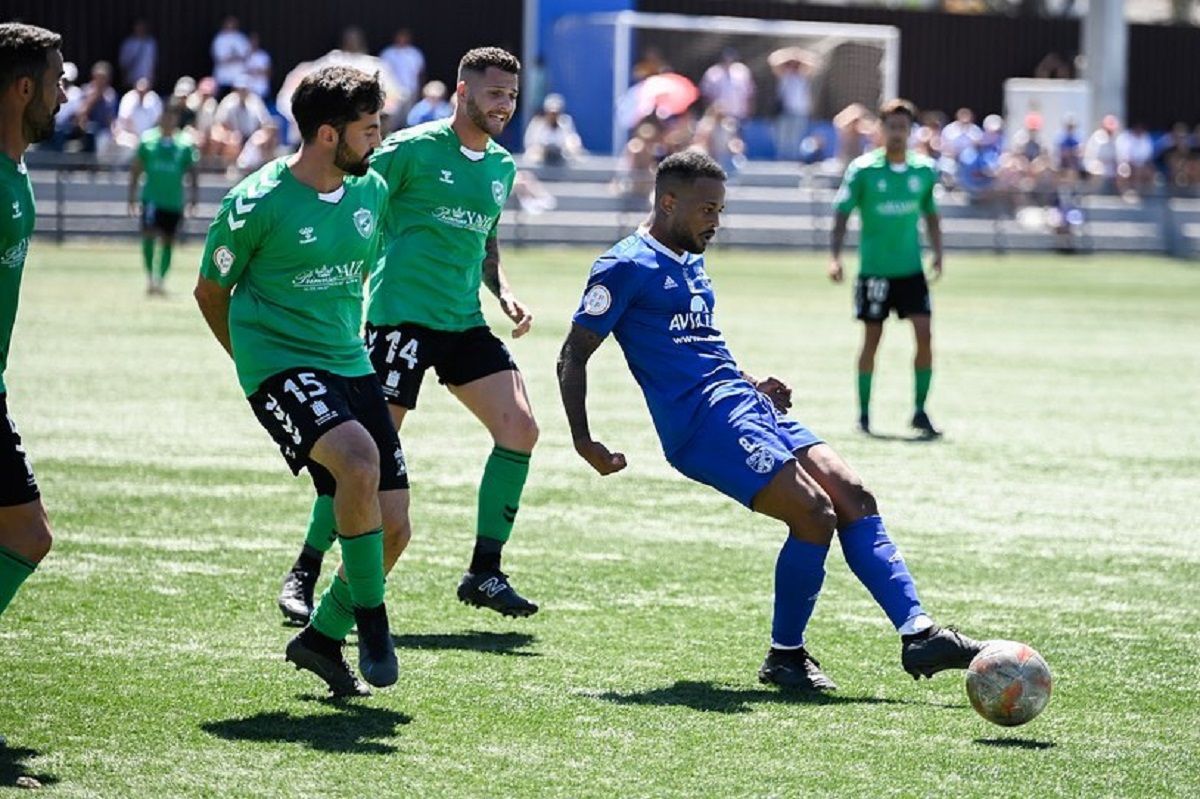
(659, 305)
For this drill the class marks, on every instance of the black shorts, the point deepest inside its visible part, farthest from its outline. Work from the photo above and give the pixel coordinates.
(17, 484)
(876, 297)
(299, 406)
(402, 353)
(155, 218)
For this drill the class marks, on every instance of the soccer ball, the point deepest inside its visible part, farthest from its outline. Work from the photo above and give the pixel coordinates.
(1008, 683)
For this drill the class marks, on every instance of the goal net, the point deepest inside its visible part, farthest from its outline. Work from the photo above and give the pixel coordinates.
(593, 60)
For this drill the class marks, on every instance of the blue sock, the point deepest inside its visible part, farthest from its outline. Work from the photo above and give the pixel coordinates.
(799, 573)
(879, 566)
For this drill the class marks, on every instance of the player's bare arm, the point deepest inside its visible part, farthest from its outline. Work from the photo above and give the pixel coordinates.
(836, 239)
(572, 384)
(933, 226)
(497, 283)
(213, 299)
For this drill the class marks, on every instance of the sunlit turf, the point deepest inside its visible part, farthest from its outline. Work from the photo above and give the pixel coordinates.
(145, 657)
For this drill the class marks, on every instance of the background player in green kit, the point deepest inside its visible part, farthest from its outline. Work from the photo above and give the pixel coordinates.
(448, 181)
(892, 188)
(31, 70)
(293, 243)
(165, 156)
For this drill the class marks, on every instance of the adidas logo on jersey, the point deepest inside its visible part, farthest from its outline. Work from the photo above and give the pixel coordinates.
(670, 283)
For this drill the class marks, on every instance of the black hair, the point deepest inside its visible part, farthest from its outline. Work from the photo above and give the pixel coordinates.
(898, 106)
(334, 96)
(686, 167)
(479, 59)
(24, 51)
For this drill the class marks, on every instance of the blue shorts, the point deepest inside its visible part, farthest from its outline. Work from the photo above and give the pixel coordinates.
(740, 446)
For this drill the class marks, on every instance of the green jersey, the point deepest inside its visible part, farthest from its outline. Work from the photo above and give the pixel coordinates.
(16, 227)
(166, 159)
(890, 198)
(296, 260)
(444, 205)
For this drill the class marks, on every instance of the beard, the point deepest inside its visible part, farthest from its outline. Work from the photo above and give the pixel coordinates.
(350, 162)
(479, 119)
(39, 122)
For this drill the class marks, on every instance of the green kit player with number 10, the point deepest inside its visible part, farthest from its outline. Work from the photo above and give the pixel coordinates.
(892, 189)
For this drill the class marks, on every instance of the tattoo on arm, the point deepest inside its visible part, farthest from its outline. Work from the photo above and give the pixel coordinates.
(572, 378)
(493, 276)
(840, 221)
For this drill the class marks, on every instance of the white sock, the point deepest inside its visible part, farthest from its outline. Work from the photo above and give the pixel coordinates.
(916, 624)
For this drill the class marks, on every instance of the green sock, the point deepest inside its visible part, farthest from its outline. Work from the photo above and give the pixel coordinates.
(148, 256)
(13, 571)
(864, 392)
(924, 378)
(164, 264)
(362, 557)
(322, 526)
(500, 493)
(334, 615)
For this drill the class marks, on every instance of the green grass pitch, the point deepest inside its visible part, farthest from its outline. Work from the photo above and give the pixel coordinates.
(145, 658)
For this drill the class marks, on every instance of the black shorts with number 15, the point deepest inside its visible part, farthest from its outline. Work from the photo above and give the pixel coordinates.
(402, 353)
(299, 406)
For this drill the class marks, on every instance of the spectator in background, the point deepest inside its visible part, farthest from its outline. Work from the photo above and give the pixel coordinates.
(138, 112)
(138, 56)
(551, 138)
(66, 122)
(202, 106)
(97, 109)
(262, 146)
(961, 133)
(857, 131)
(230, 49)
(729, 85)
(258, 68)
(1100, 156)
(1174, 150)
(1135, 151)
(433, 105)
(793, 90)
(1070, 157)
(179, 94)
(407, 65)
(238, 116)
(717, 135)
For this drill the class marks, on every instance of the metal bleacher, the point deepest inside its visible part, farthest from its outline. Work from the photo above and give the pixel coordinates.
(768, 204)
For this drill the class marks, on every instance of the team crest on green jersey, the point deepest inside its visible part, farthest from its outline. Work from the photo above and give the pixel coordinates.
(498, 192)
(364, 222)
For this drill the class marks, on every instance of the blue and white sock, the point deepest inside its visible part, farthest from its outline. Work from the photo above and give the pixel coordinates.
(879, 566)
(799, 574)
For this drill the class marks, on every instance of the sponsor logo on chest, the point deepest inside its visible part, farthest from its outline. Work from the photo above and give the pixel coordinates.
(460, 217)
(14, 256)
(329, 275)
(698, 316)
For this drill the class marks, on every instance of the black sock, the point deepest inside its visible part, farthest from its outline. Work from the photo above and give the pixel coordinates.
(318, 641)
(486, 556)
(309, 561)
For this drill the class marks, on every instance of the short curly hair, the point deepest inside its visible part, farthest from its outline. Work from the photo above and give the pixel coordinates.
(24, 51)
(335, 96)
(479, 59)
(687, 167)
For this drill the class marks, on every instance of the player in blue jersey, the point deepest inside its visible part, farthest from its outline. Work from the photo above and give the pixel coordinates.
(722, 427)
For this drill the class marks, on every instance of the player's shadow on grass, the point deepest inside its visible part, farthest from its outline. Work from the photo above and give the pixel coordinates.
(909, 438)
(1016, 743)
(13, 767)
(358, 728)
(473, 641)
(706, 696)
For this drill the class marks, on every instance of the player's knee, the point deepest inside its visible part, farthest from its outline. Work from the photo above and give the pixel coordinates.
(520, 434)
(359, 467)
(816, 521)
(40, 540)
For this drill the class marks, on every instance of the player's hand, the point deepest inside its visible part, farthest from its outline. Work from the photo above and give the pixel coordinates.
(521, 316)
(779, 392)
(835, 270)
(935, 268)
(596, 454)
